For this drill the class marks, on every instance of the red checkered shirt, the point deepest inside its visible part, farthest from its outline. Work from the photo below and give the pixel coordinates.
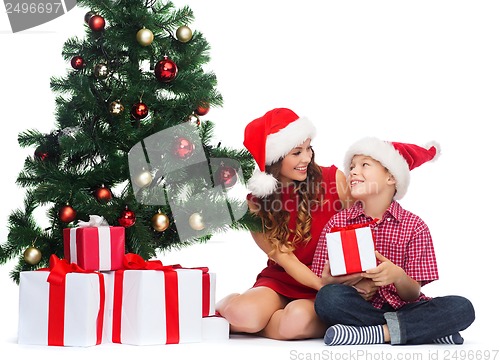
(400, 236)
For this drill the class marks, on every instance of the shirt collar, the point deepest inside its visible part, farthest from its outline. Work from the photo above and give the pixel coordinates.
(395, 210)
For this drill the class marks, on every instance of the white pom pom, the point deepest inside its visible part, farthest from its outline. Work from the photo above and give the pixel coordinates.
(438, 149)
(262, 184)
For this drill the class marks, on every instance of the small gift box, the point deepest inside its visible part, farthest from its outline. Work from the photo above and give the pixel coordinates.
(215, 328)
(351, 249)
(151, 304)
(61, 306)
(94, 245)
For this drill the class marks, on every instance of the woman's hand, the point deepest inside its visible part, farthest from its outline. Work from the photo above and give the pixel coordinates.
(366, 288)
(347, 279)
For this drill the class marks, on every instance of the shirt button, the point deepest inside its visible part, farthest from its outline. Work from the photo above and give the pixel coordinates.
(388, 219)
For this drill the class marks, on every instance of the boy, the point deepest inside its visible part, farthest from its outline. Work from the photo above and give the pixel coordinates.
(398, 312)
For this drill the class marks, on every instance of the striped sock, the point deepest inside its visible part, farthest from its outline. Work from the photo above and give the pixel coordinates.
(354, 335)
(454, 339)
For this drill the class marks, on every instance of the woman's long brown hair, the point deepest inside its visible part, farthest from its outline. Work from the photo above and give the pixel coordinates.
(275, 221)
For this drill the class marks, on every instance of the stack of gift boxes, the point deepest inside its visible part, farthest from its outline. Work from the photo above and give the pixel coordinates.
(98, 294)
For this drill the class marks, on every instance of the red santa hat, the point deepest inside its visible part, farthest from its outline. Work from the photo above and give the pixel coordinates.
(398, 158)
(271, 137)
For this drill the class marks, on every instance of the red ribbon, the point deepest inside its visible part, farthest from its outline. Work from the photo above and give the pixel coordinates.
(136, 262)
(350, 245)
(205, 280)
(59, 268)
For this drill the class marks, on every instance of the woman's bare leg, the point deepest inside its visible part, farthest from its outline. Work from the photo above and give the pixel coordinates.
(250, 311)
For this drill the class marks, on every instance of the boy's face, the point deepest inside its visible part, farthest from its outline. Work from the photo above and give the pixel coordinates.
(367, 177)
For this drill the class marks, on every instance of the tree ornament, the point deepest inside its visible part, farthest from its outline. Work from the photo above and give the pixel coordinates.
(226, 176)
(160, 221)
(97, 23)
(139, 110)
(42, 153)
(77, 62)
(193, 118)
(183, 148)
(101, 71)
(48, 150)
(202, 109)
(32, 255)
(165, 70)
(67, 214)
(145, 37)
(127, 218)
(196, 221)
(116, 108)
(88, 15)
(103, 194)
(184, 34)
(144, 179)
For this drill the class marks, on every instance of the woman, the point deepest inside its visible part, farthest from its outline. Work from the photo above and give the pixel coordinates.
(294, 197)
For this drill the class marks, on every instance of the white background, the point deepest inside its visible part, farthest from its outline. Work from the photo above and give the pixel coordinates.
(409, 71)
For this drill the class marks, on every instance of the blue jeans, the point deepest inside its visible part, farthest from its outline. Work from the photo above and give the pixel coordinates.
(414, 323)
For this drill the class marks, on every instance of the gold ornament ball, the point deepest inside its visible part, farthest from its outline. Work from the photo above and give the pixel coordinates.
(101, 71)
(196, 221)
(145, 37)
(160, 222)
(32, 255)
(143, 179)
(184, 34)
(116, 108)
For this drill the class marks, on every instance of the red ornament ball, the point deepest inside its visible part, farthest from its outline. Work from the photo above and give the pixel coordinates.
(127, 218)
(165, 70)
(139, 110)
(183, 148)
(42, 153)
(202, 109)
(103, 194)
(77, 62)
(67, 214)
(97, 23)
(227, 176)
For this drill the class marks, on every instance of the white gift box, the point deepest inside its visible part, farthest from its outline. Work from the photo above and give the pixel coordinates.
(81, 305)
(147, 312)
(351, 250)
(209, 307)
(215, 328)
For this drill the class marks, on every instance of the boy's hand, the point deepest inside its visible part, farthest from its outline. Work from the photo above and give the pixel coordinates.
(385, 273)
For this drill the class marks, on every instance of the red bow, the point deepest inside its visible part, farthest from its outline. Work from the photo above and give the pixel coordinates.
(353, 226)
(136, 262)
(59, 268)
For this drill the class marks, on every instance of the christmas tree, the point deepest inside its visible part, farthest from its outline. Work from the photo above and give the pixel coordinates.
(131, 141)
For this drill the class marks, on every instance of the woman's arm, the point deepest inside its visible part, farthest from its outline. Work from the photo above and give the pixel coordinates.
(290, 263)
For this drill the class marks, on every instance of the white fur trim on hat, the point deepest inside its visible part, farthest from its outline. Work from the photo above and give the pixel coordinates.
(282, 142)
(262, 184)
(436, 145)
(387, 155)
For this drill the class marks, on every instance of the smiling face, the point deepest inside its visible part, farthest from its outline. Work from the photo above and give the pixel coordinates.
(294, 164)
(367, 177)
